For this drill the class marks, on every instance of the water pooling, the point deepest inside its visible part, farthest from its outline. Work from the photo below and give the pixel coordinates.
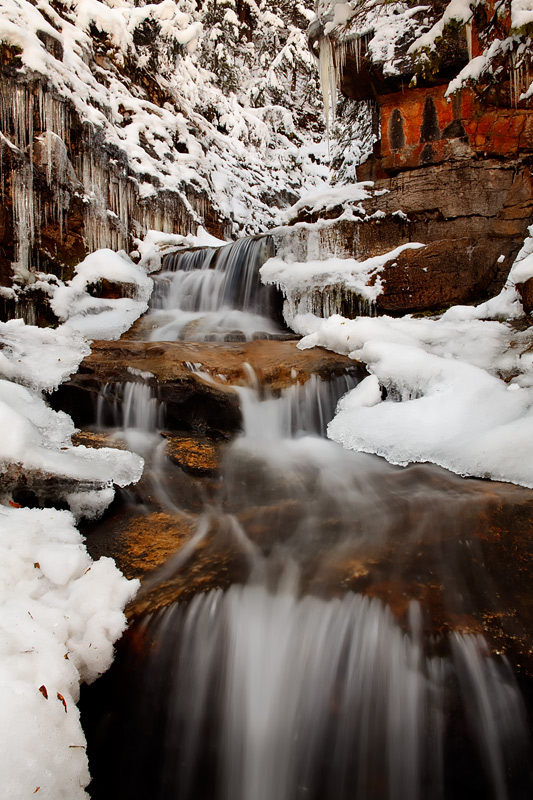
(347, 659)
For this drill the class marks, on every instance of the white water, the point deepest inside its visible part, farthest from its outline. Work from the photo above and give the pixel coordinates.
(280, 690)
(210, 295)
(294, 685)
(134, 411)
(306, 697)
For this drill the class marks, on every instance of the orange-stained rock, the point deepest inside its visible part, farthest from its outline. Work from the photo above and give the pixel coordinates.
(420, 126)
(197, 456)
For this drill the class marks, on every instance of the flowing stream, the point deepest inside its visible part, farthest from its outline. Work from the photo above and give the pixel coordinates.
(348, 660)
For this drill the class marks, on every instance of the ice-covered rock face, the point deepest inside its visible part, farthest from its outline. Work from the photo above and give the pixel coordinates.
(116, 119)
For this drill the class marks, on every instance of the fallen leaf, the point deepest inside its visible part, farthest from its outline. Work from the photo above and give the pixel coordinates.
(62, 699)
(43, 691)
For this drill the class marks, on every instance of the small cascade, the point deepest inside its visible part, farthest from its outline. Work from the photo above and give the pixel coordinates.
(301, 409)
(331, 645)
(211, 294)
(133, 410)
(267, 694)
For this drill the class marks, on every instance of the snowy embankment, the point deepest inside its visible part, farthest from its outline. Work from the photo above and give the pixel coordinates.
(455, 390)
(60, 612)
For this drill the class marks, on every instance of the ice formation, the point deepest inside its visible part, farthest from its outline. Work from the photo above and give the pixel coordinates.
(317, 287)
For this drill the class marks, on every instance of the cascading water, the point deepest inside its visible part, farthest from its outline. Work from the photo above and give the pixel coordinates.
(348, 662)
(214, 294)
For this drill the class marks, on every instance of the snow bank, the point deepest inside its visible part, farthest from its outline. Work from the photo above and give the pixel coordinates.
(34, 436)
(439, 410)
(445, 400)
(60, 615)
(39, 357)
(96, 317)
(299, 281)
(329, 197)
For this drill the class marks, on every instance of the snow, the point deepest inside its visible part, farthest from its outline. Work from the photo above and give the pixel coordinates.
(521, 13)
(329, 197)
(102, 318)
(458, 390)
(300, 281)
(444, 411)
(460, 11)
(522, 269)
(40, 358)
(60, 614)
(213, 135)
(157, 244)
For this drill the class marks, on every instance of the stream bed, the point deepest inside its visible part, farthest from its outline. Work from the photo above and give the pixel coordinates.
(312, 622)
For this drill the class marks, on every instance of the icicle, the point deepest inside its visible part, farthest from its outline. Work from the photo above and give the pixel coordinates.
(328, 85)
(468, 35)
(344, 49)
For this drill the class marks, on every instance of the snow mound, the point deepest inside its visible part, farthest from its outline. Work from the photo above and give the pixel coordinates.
(455, 391)
(60, 615)
(96, 317)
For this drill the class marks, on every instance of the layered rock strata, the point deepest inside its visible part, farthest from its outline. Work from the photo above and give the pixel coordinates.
(451, 168)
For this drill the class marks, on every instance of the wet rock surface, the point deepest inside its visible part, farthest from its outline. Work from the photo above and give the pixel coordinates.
(462, 549)
(194, 380)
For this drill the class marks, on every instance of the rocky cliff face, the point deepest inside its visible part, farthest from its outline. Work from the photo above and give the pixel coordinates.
(120, 118)
(450, 87)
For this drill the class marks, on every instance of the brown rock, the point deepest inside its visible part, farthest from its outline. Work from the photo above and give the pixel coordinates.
(468, 214)
(205, 403)
(526, 295)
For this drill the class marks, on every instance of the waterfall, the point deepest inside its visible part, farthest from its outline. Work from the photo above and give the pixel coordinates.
(133, 410)
(300, 409)
(332, 646)
(210, 294)
(261, 694)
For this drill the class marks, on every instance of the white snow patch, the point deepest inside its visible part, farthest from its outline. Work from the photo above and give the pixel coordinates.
(102, 318)
(330, 196)
(60, 615)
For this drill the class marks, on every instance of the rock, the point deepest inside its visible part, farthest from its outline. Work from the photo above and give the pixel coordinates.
(451, 170)
(37, 488)
(469, 215)
(525, 291)
(462, 548)
(194, 455)
(200, 400)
